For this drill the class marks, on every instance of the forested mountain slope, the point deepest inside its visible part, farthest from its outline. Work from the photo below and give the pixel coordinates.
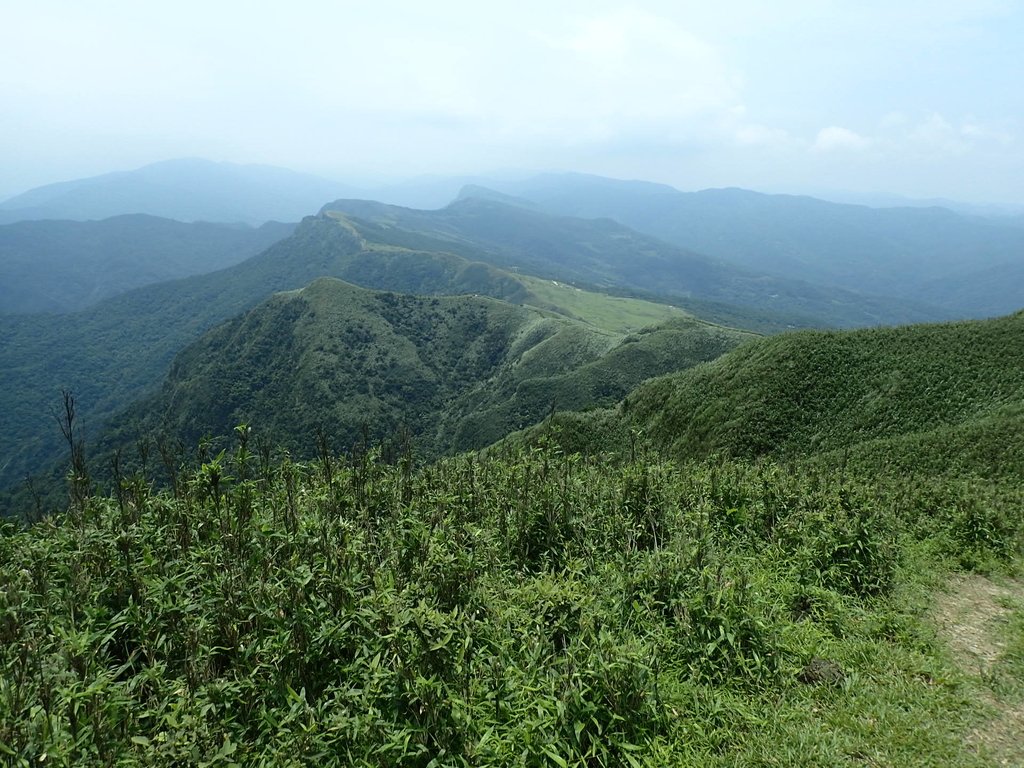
(119, 350)
(455, 372)
(112, 353)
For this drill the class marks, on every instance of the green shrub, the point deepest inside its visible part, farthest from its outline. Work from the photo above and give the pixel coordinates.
(727, 633)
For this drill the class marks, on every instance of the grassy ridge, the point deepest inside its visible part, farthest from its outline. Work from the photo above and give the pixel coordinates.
(612, 313)
(943, 399)
(607, 255)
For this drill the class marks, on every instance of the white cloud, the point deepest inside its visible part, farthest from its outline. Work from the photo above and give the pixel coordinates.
(894, 120)
(937, 134)
(758, 135)
(838, 139)
(626, 70)
(631, 87)
(1003, 134)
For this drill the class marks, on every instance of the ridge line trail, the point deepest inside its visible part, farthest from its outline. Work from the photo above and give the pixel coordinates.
(972, 618)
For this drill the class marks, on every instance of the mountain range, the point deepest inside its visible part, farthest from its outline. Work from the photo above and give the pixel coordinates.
(928, 255)
(603, 254)
(189, 356)
(120, 349)
(527, 485)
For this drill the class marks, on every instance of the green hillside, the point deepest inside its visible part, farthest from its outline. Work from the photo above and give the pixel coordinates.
(113, 352)
(456, 372)
(946, 397)
(63, 266)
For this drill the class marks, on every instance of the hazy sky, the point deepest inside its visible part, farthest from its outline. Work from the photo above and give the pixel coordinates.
(916, 97)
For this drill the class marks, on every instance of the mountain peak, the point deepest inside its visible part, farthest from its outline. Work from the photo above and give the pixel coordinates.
(479, 192)
(185, 189)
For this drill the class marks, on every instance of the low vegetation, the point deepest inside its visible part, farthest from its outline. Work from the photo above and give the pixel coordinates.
(531, 608)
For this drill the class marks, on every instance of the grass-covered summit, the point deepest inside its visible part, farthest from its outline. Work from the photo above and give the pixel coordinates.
(811, 392)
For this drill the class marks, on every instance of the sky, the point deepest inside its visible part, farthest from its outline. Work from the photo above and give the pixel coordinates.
(921, 98)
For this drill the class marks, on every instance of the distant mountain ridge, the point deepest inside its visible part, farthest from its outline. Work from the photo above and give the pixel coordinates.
(928, 255)
(187, 190)
(63, 266)
(920, 256)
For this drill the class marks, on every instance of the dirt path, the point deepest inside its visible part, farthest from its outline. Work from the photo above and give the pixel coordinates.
(969, 619)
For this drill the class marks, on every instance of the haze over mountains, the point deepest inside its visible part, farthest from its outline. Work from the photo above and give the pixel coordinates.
(63, 266)
(945, 263)
(188, 189)
(931, 255)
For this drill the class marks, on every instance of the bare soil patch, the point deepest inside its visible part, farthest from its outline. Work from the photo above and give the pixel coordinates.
(969, 619)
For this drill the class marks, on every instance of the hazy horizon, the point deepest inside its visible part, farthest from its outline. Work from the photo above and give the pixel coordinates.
(919, 101)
